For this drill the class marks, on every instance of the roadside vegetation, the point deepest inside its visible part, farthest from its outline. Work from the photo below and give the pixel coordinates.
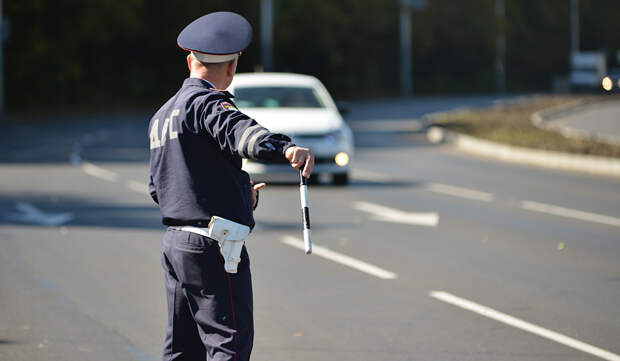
(65, 54)
(511, 123)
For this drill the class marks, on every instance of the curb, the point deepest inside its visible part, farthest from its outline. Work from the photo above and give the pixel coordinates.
(547, 119)
(520, 155)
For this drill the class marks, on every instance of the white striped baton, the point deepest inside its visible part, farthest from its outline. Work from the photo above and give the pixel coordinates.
(305, 211)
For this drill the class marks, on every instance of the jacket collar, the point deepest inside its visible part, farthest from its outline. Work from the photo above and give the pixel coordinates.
(204, 84)
(198, 82)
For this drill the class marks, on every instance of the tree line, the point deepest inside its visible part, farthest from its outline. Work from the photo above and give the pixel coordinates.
(113, 53)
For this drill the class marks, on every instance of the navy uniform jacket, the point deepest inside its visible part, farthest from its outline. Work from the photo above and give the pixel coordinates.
(198, 139)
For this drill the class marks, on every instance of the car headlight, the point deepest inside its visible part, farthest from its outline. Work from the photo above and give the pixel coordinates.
(607, 83)
(342, 159)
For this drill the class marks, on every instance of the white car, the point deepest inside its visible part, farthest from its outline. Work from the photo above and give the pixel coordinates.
(300, 107)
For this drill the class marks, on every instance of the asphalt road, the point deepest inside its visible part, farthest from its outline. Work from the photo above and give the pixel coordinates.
(427, 255)
(601, 121)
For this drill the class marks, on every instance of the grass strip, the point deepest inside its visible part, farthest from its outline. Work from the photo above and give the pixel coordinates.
(510, 123)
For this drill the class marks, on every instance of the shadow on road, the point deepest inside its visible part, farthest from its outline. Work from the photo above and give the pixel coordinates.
(9, 342)
(287, 227)
(112, 138)
(353, 184)
(39, 210)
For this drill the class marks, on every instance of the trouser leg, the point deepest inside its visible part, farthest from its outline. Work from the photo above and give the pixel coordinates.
(182, 341)
(220, 303)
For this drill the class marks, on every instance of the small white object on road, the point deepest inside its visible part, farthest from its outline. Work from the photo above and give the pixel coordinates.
(524, 325)
(435, 135)
(342, 259)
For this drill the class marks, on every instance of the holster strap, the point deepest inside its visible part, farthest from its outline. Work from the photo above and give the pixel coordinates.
(228, 234)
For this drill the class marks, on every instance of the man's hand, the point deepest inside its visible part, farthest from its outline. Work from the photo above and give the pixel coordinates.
(301, 158)
(255, 189)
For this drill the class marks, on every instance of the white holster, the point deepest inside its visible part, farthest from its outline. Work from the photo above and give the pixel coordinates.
(230, 236)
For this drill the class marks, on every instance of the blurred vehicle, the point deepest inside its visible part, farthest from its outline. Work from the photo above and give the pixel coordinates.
(300, 107)
(611, 81)
(588, 68)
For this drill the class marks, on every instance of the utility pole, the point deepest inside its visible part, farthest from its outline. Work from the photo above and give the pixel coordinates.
(406, 50)
(2, 38)
(500, 46)
(574, 26)
(406, 71)
(266, 34)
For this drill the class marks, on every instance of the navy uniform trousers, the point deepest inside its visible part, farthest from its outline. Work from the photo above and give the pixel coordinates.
(210, 312)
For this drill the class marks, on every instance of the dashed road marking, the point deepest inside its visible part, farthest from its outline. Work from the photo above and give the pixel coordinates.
(490, 197)
(570, 213)
(137, 187)
(524, 325)
(460, 192)
(387, 214)
(111, 176)
(342, 259)
(99, 172)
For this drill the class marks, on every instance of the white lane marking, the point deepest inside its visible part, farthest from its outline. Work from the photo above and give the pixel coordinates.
(386, 214)
(137, 187)
(460, 192)
(431, 186)
(99, 172)
(110, 176)
(30, 213)
(524, 325)
(370, 175)
(570, 213)
(342, 259)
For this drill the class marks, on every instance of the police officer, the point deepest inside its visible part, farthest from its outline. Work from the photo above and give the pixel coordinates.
(198, 139)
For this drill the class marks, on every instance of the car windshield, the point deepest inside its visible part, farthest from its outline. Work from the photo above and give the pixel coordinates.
(277, 97)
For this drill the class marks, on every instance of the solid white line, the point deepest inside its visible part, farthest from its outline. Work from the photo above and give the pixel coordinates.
(137, 187)
(570, 213)
(387, 214)
(342, 259)
(524, 325)
(99, 172)
(460, 192)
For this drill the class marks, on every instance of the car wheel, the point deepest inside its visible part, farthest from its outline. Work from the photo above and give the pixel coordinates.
(340, 179)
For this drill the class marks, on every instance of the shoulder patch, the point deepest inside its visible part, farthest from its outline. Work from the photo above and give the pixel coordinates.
(228, 106)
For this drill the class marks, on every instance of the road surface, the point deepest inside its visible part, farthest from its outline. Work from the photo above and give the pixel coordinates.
(600, 121)
(427, 255)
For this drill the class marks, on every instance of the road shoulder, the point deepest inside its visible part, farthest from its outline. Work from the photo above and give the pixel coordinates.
(599, 165)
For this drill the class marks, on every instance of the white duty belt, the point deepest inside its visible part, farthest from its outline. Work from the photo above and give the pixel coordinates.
(230, 236)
